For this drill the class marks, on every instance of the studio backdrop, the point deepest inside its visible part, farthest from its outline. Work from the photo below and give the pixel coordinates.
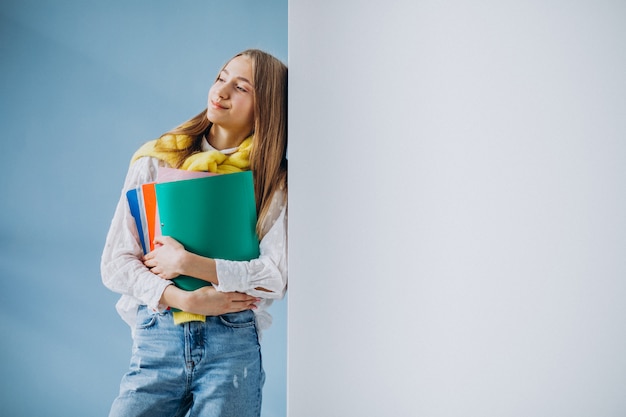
(83, 84)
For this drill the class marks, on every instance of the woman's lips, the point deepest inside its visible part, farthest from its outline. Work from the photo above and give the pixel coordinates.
(217, 105)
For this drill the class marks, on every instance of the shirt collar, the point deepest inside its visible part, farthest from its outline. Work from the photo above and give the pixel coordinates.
(206, 146)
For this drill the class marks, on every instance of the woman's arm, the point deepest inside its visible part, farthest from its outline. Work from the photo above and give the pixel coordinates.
(266, 276)
(121, 264)
(207, 301)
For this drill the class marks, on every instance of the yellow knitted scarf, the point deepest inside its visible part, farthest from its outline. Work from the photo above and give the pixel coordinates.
(210, 161)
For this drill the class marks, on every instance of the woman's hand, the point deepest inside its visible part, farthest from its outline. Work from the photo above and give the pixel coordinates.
(210, 302)
(167, 259)
(207, 301)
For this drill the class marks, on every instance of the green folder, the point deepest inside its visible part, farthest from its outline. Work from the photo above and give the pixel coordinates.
(212, 216)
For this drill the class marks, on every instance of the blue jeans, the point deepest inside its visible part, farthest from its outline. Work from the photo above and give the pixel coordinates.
(207, 369)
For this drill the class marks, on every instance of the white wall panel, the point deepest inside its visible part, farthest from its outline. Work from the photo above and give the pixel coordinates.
(457, 200)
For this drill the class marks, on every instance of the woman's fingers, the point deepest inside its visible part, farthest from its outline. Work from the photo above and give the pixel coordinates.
(241, 302)
(166, 260)
(241, 297)
(165, 240)
(210, 302)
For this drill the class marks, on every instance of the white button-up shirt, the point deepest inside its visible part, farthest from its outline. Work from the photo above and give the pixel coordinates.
(124, 272)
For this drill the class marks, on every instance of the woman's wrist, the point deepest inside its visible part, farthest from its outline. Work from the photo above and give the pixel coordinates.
(200, 267)
(174, 297)
(187, 264)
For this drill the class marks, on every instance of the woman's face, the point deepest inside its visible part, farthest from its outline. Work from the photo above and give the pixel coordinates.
(231, 98)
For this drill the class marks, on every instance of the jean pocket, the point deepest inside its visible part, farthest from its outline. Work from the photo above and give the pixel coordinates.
(238, 320)
(145, 318)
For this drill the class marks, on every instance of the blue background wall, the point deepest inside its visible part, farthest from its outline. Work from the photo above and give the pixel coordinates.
(83, 84)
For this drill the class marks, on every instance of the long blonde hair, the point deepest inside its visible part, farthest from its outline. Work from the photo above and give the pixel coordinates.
(268, 157)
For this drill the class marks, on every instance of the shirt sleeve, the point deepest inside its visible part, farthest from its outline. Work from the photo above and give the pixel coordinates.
(269, 270)
(121, 266)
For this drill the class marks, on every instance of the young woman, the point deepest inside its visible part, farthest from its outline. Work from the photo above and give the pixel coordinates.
(209, 366)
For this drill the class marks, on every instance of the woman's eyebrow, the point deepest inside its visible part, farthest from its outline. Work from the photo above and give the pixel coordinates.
(239, 78)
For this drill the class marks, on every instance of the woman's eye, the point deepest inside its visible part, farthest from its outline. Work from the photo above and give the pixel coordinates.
(240, 88)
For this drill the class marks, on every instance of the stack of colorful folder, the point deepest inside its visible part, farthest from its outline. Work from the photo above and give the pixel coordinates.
(210, 215)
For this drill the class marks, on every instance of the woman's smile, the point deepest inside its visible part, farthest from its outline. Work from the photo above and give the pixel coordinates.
(217, 105)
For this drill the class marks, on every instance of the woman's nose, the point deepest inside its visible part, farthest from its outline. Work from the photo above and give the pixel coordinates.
(222, 91)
